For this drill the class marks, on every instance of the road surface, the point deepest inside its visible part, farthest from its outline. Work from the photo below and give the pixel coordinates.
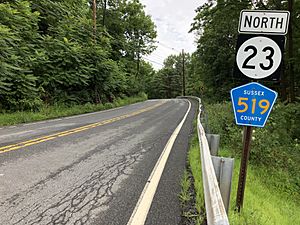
(92, 168)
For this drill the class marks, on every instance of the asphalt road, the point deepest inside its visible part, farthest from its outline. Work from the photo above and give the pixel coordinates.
(92, 168)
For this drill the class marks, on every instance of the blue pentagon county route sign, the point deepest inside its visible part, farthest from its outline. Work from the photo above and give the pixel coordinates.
(252, 104)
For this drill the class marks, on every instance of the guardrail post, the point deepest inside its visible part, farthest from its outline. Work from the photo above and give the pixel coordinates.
(213, 142)
(224, 170)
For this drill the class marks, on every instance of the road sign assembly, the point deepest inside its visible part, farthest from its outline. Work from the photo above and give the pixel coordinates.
(252, 104)
(259, 55)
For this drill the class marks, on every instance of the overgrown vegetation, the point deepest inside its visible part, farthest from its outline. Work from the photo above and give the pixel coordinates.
(264, 202)
(184, 195)
(55, 111)
(276, 147)
(273, 187)
(192, 194)
(195, 165)
(51, 55)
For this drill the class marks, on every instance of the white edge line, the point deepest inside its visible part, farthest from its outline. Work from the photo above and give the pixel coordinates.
(143, 205)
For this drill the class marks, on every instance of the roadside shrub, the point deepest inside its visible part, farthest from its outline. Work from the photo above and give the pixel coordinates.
(275, 147)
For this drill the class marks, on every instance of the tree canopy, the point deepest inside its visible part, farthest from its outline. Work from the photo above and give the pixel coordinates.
(216, 26)
(49, 53)
(210, 68)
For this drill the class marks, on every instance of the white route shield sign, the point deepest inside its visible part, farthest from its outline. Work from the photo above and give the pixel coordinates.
(259, 57)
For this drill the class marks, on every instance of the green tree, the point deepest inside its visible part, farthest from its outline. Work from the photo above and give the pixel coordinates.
(18, 33)
(49, 51)
(195, 85)
(132, 35)
(167, 82)
(216, 25)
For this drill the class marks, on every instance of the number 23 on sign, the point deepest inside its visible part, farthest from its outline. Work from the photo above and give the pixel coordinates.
(258, 57)
(263, 104)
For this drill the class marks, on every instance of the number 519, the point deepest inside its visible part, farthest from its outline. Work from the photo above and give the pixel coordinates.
(264, 104)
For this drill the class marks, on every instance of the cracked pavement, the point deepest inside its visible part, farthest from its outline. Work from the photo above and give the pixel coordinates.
(90, 177)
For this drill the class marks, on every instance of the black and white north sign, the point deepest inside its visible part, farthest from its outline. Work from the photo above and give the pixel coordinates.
(264, 22)
(259, 57)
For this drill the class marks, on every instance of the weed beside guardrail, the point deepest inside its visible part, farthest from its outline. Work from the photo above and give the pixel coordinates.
(215, 210)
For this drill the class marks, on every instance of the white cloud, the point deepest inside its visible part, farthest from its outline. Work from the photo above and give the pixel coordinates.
(173, 19)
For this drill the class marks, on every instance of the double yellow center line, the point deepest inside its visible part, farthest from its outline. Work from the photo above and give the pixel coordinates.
(23, 144)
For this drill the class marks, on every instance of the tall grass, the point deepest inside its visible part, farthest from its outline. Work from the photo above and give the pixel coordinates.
(51, 112)
(195, 168)
(263, 204)
(273, 181)
(195, 165)
(185, 194)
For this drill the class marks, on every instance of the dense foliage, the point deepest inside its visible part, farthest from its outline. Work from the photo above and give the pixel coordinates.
(209, 70)
(167, 82)
(49, 53)
(275, 147)
(216, 26)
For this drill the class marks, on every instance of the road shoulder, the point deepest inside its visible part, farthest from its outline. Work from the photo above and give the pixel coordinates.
(165, 208)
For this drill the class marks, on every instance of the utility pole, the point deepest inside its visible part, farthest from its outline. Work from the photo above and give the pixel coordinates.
(138, 56)
(291, 54)
(94, 19)
(183, 74)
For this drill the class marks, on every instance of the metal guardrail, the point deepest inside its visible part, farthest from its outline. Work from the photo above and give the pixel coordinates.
(215, 210)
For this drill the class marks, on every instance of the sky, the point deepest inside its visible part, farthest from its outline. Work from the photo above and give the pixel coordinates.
(173, 20)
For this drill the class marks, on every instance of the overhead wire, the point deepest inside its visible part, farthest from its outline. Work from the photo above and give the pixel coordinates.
(168, 47)
(159, 56)
(150, 60)
(155, 58)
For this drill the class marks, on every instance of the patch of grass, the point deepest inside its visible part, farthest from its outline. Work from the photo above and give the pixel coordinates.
(273, 181)
(276, 147)
(264, 203)
(185, 195)
(51, 112)
(195, 165)
(198, 217)
(272, 185)
(192, 195)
